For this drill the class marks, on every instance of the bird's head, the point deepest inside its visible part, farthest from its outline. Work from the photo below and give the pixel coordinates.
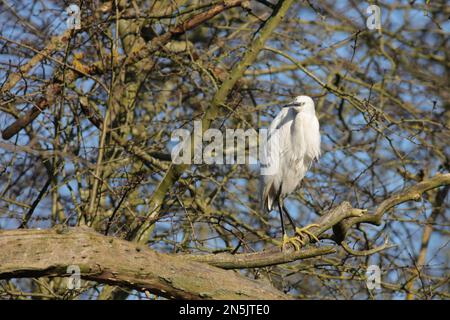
(302, 104)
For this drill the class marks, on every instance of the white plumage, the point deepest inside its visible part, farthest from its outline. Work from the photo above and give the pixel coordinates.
(293, 144)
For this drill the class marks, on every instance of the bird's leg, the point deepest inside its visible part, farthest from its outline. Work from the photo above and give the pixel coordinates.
(278, 197)
(295, 241)
(286, 239)
(291, 221)
(301, 232)
(282, 222)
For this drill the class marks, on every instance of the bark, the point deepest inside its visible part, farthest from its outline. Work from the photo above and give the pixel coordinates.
(36, 253)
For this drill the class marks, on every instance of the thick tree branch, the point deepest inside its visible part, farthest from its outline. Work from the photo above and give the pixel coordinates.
(36, 253)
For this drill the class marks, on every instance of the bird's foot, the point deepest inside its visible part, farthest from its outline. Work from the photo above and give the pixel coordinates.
(295, 241)
(304, 233)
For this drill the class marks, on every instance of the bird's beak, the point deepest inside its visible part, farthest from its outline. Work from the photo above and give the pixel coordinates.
(293, 104)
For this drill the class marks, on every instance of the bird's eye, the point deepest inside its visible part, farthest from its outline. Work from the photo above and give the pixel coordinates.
(294, 104)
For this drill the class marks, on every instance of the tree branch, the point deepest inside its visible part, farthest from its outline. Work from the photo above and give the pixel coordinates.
(37, 253)
(412, 193)
(140, 52)
(260, 259)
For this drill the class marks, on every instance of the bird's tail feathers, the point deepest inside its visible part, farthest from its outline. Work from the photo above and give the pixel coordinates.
(267, 198)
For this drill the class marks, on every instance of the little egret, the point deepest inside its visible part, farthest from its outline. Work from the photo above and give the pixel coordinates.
(292, 145)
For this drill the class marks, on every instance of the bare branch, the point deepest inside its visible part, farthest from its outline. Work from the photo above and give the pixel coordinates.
(37, 253)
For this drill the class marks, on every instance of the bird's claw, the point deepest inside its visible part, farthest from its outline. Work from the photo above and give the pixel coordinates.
(304, 233)
(295, 241)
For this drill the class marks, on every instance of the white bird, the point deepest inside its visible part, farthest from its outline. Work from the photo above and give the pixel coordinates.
(292, 145)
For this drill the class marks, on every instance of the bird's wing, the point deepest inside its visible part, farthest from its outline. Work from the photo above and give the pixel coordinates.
(271, 145)
(275, 148)
(309, 126)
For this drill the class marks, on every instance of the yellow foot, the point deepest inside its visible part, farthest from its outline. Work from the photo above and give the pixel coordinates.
(304, 233)
(296, 242)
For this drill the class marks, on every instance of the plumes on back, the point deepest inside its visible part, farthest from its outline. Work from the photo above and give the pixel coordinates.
(293, 144)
